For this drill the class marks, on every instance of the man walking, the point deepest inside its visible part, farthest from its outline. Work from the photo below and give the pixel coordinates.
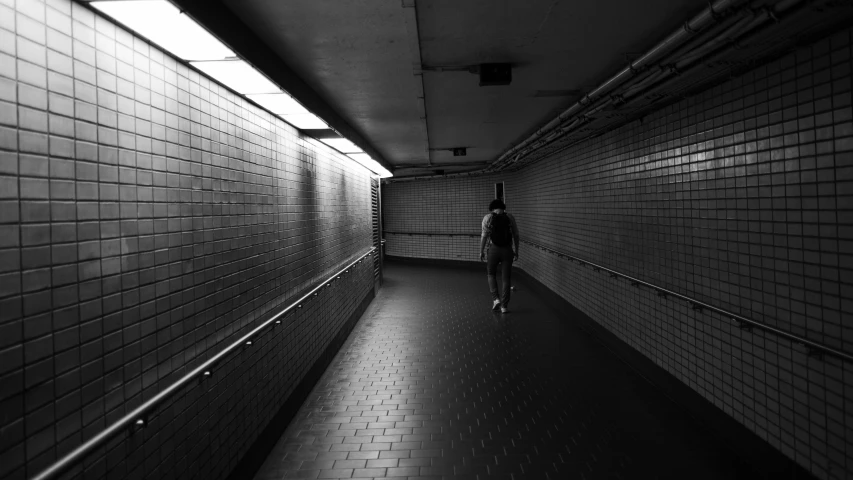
(499, 233)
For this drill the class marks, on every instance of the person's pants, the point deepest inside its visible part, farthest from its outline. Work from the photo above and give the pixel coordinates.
(503, 256)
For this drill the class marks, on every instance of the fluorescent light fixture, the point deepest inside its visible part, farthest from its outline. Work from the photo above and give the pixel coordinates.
(238, 76)
(305, 121)
(279, 103)
(371, 164)
(162, 23)
(342, 145)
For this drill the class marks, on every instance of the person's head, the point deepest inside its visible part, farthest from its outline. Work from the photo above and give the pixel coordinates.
(497, 206)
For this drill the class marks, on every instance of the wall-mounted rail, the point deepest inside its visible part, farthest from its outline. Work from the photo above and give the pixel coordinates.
(435, 234)
(138, 415)
(814, 348)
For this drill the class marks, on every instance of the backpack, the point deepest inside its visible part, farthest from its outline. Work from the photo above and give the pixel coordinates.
(501, 230)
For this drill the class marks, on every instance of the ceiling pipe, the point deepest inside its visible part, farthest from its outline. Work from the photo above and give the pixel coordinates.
(223, 24)
(721, 30)
(654, 75)
(730, 35)
(727, 34)
(697, 40)
(706, 17)
(773, 12)
(660, 79)
(651, 74)
(733, 31)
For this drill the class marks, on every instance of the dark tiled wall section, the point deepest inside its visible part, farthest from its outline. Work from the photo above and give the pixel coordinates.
(742, 197)
(148, 215)
(420, 215)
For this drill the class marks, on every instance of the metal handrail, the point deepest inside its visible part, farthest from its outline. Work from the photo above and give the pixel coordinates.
(137, 416)
(814, 348)
(438, 234)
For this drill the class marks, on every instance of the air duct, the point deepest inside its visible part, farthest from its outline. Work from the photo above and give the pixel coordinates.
(705, 18)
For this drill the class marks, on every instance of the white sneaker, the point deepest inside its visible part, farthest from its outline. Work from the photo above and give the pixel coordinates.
(496, 304)
(504, 309)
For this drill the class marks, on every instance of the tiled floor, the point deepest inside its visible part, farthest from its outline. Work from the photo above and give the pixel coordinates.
(432, 384)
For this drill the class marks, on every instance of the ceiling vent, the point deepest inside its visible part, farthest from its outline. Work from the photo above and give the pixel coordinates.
(495, 74)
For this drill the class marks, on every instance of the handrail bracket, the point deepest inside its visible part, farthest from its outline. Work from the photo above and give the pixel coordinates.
(745, 326)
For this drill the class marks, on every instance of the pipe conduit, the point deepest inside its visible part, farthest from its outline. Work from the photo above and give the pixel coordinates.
(728, 23)
(717, 56)
(728, 35)
(771, 14)
(696, 41)
(706, 17)
(672, 65)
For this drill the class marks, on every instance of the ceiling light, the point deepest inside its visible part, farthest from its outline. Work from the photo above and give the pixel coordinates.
(279, 103)
(238, 76)
(367, 162)
(342, 145)
(305, 121)
(162, 23)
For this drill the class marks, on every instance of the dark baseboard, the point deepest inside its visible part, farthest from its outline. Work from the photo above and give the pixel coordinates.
(436, 261)
(266, 441)
(752, 449)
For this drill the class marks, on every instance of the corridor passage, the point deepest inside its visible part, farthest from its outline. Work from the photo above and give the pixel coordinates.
(432, 384)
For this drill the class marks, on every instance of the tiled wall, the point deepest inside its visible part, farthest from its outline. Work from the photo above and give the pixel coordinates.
(147, 216)
(741, 197)
(421, 215)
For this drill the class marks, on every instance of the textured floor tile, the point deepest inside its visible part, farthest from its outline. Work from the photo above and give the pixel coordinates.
(432, 384)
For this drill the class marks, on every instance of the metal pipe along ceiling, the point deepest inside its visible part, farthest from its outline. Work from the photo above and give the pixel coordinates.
(656, 71)
(690, 52)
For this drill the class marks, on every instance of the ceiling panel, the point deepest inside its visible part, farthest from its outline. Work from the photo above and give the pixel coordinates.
(357, 56)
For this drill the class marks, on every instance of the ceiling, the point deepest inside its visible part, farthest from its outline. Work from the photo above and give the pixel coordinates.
(396, 73)
(552, 45)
